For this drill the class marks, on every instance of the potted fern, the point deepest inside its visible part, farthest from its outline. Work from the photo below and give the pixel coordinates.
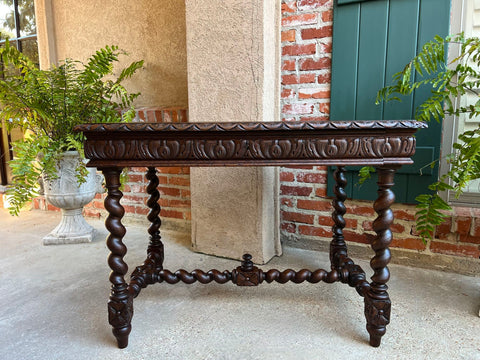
(46, 105)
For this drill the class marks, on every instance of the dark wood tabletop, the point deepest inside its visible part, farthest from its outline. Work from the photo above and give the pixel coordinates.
(251, 143)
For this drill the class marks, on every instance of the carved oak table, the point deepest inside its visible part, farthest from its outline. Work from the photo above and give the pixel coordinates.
(386, 145)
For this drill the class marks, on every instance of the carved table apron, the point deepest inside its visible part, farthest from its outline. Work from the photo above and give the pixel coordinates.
(386, 145)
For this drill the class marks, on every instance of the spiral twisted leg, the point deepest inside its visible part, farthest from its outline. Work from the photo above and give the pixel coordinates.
(338, 248)
(144, 274)
(120, 306)
(377, 301)
(155, 247)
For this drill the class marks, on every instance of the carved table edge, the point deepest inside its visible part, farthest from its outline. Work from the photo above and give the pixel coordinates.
(252, 126)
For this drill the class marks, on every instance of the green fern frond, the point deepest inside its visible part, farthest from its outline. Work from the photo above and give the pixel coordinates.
(448, 82)
(50, 103)
(428, 216)
(365, 173)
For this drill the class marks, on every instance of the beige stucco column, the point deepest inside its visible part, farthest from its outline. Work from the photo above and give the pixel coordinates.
(233, 75)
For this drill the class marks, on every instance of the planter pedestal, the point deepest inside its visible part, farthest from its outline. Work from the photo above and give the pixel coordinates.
(73, 229)
(67, 194)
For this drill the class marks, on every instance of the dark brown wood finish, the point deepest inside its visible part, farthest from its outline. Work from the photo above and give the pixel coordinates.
(155, 247)
(338, 247)
(384, 144)
(142, 276)
(120, 306)
(375, 143)
(377, 301)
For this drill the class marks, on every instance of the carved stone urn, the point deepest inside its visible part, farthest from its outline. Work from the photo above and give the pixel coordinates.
(66, 193)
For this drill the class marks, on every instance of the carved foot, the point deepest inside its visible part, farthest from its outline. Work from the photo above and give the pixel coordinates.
(377, 313)
(120, 314)
(122, 336)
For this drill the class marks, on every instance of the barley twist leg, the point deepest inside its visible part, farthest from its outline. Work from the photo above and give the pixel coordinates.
(338, 248)
(155, 247)
(120, 306)
(377, 301)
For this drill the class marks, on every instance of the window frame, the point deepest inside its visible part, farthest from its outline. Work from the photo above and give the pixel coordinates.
(458, 23)
(6, 140)
(18, 39)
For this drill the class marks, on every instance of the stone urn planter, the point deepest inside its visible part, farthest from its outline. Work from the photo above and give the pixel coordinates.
(66, 193)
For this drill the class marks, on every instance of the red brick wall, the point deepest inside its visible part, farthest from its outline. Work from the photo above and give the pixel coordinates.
(305, 210)
(306, 64)
(174, 184)
(306, 59)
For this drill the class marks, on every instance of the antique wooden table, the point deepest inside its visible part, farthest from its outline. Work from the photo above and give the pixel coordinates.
(386, 145)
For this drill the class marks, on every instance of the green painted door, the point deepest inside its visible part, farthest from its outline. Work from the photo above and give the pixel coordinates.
(372, 40)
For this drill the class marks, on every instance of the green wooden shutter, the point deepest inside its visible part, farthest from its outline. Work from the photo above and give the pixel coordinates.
(372, 40)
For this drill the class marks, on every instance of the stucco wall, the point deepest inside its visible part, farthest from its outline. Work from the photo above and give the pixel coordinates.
(148, 30)
(233, 76)
(226, 60)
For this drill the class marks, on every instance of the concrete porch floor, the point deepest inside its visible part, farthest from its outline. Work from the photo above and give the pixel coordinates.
(53, 306)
